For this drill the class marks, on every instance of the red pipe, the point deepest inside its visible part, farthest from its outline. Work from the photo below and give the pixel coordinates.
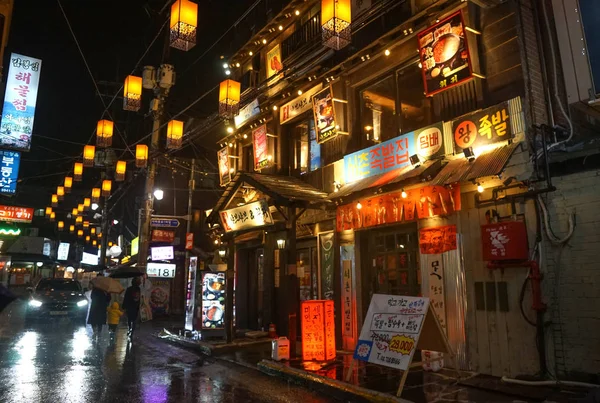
(534, 275)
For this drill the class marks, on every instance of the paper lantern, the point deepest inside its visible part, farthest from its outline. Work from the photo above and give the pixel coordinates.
(93, 230)
(95, 195)
(110, 244)
(106, 187)
(87, 202)
(74, 212)
(174, 134)
(141, 155)
(60, 192)
(68, 184)
(79, 220)
(48, 211)
(71, 229)
(78, 171)
(88, 238)
(52, 216)
(184, 21)
(229, 98)
(336, 19)
(94, 243)
(104, 133)
(86, 224)
(120, 170)
(54, 201)
(99, 235)
(80, 208)
(80, 233)
(132, 93)
(61, 225)
(88, 155)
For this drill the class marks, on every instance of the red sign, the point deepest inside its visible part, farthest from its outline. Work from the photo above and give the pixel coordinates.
(423, 202)
(16, 214)
(433, 241)
(318, 330)
(161, 235)
(504, 241)
(189, 241)
(259, 143)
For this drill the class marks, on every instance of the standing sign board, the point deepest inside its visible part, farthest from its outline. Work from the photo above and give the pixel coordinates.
(190, 293)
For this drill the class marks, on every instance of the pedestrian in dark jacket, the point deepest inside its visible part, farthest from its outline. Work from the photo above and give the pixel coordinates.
(131, 304)
(97, 316)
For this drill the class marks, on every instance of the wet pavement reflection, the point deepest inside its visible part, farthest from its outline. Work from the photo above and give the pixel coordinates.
(59, 362)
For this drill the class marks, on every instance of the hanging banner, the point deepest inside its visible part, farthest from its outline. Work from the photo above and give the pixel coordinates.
(394, 153)
(298, 106)
(20, 99)
(274, 64)
(324, 115)
(326, 259)
(437, 240)
(9, 170)
(347, 297)
(246, 113)
(488, 126)
(259, 144)
(444, 54)
(248, 216)
(16, 214)
(224, 169)
(389, 208)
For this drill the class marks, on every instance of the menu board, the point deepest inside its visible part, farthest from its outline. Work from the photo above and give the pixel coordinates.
(213, 300)
(318, 330)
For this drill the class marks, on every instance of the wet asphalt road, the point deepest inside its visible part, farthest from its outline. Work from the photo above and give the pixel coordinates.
(59, 362)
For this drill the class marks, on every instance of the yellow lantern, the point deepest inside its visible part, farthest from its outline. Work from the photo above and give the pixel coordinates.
(94, 243)
(174, 134)
(96, 195)
(80, 233)
(71, 229)
(336, 19)
(68, 184)
(88, 238)
(120, 170)
(80, 208)
(87, 202)
(104, 133)
(141, 155)
(106, 187)
(54, 200)
(86, 224)
(74, 212)
(229, 98)
(93, 230)
(60, 192)
(48, 211)
(110, 244)
(88, 155)
(132, 93)
(61, 225)
(99, 235)
(184, 21)
(52, 216)
(78, 171)
(79, 220)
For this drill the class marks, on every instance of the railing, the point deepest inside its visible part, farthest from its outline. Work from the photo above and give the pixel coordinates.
(303, 36)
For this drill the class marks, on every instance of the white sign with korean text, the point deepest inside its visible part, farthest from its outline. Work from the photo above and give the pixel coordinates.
(164, 270)
(391, 330)
(298, 106)
(162, 252)
(63, 251)
(246, 113)
(251, 215)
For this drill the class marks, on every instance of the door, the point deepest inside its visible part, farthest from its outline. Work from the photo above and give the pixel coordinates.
(307, 268)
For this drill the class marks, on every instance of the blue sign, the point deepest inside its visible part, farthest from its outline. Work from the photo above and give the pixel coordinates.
(9, 170)
(164, 222)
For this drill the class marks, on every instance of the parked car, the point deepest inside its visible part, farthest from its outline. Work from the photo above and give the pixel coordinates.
(57, 298)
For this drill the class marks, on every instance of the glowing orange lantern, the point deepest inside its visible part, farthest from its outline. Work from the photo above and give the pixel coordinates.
(48, 211)
(60, 192)
(71, 228)
(79, 220)
(80, 233)
(86, 224)
(141, 155)
(68, 184)
(106, 187)
(78, 171)
(99, 235)
(52, 216)
(229, 98)
(184, 21)
(318, 330)
(61, 225)
(93, 230)
(96, 195)
(88, 238)
(74, 212)
(88, 155)
(174, 134)
(80, 208)
(87, 202)
(120, 170)
(94, 243)
(336, 19)
(132, 93)
(104, 133)
(110, 244)
(54, 200)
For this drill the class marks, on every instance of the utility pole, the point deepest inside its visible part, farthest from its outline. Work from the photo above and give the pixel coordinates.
(104, 232)
(191, 186)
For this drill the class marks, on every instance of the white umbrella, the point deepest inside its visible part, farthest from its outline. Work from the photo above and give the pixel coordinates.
(108, 284)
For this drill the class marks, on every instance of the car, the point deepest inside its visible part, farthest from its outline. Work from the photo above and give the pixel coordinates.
(57, 298)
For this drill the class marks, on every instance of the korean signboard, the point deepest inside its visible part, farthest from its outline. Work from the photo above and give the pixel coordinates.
(165, 270)
(246, 113)
(189, 241)
(9, 170)
(391, 331)
(161, 235)
(16, 214)
(318, 330)
(63, 251)
(444, 54)
(260, 146)
(394, 153)
(504, 241)
(251, 215)
(324, 115)
(487, 126)
(162, 252)
(224, 169)
(298, 106)
(190, 293)
(347, 294)
(437, 240)
(326, 263)
(274, 64)
(20, 99)
(390, 208)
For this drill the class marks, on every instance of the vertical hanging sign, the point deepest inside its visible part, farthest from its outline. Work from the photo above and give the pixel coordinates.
(224, 170)
(324, 115)
(259, 143)
(9, 171)
(326, 244)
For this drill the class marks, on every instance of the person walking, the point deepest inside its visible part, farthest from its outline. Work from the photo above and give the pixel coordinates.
(114, 315)
(97, 316)
(131, 304)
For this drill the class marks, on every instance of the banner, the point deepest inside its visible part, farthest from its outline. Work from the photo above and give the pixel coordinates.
(488, 126)
(274, 64)
(324, 115)
(326, 259)
(437, 240)
(248, 216)
(224, 170)
(9, 170)
(259, 144)
(444, 54)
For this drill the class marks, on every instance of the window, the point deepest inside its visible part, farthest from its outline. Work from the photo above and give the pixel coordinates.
(378, 110)
(307, 152)
(414, 106)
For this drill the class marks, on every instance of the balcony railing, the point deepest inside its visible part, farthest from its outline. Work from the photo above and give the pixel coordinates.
(303, 36)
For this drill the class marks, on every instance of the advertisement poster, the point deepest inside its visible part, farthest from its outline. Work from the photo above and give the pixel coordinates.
(159, 297)
(9, 170)
(20, 99)
(213, 300)
(224, 169)
(324, 115)
(326, 260)
(390, 333)
(250, 215)
(190, 293)
(259, 144)
(487, 126)
(444, 54)
(437, 240)
(274, 64)
(16, 214)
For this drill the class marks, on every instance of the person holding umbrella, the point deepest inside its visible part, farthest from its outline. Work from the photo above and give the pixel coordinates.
(100, 296)
(131, 304)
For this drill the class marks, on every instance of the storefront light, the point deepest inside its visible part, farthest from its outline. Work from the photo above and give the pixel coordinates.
(404, 195)
(281, 244)
(387, 52)
(222, 252)
(480, 188)
(358, 206)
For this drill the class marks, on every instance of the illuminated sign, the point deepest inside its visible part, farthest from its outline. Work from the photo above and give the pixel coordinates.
(488, 126)
(251, 215)
(260, 147)
(223, 162)
(9, 170)
(190, 294)
(16, 214)
(89, 258)
(164, 270)
(135, 246)
(298, 106)
(324, 113)
(318, 330)
(162, 252)
(161, 235)
(20, 98)
(63, 251)
(246, 113)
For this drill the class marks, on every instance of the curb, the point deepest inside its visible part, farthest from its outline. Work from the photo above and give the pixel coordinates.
(209, 349)
(326, 386)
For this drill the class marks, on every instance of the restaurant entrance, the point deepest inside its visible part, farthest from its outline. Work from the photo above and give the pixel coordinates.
(249, 289)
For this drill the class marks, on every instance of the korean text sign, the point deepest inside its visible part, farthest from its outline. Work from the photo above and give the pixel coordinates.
(223, 161)
(444, 54)
(318, 330)
(324, 115)
(259, 143)
(487, 126)
(504, 241)
(20, 99)
(298, 106)
(251, 215)
(391, 330)
(16, 214)
(9, 170)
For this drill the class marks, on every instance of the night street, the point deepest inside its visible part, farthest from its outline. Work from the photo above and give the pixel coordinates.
(58, 362)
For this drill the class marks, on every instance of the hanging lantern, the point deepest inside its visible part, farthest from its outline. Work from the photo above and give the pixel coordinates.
(104, 133)
(48, 211)
(110, 244)
(61, 225)
(71, 229)
(79, 220)
(54, 201)
(74, 212)
(141, 156)
(132, 93)
(52, 216)
(80, 208)
(336, 19)
(184, 21)
(99, 235)
(93, 230)
(88, 238)
(80, 233)
(120, 170)
(229, 98)
(68, 184)
(106, 187)
(60, 192)
(174, 134)
(87, 202)
(88, 155)
(96, 195)
(94, 243)
(78, 171)
(86, 224)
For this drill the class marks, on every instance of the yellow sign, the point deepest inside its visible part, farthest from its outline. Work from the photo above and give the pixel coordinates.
(135, 246)
(402, 344)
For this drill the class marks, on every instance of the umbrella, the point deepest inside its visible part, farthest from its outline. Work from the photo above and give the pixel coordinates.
(108, 285)
(127, 272)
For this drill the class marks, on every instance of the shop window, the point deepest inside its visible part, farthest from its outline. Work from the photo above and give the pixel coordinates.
(307, 152)
(414, 106)
(378, 110)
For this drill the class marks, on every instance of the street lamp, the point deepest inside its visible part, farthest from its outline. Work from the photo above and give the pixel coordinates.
(159, 194)
(95, 206)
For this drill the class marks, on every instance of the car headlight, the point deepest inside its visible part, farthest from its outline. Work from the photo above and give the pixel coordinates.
(83, 302)
(35, 303)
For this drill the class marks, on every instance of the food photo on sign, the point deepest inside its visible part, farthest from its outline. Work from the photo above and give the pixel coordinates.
(213, 300)
(159, 297)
